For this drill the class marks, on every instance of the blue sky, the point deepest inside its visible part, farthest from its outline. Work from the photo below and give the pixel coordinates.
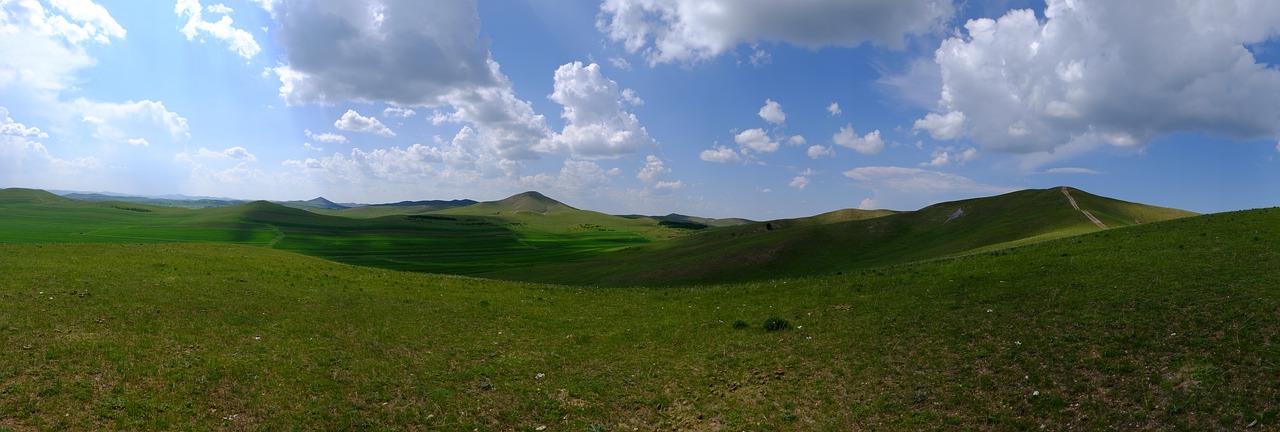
(719, 108)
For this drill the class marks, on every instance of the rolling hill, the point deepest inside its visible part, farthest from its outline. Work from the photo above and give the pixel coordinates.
(532, 237)
(1163, 326)
(850, 240)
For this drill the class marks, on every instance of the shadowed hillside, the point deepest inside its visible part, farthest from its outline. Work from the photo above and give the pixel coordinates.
(851, 239)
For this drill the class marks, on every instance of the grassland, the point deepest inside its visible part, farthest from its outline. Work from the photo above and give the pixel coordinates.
(480, 239)
(530, 237)
(846, 240)
(1162, 326)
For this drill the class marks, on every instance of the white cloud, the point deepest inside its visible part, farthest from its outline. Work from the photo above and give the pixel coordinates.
(818, 151)
(1123, 72)
(916, 180)
(239, 41)
(942, 127)
(41, 50)
(398, 112)
(945, 156)
(12, 128)
(219, 9)
(237, 153)
(772, 112)
(799, 182)
(352, 121)
(121, 122)
(653, 170)
(867, 144)
(834, 109)
(141, 142)
(327, 137)
(669, 185)
(368, 169)
(757, 140)
(505, 125)
(404, 52)
(720, 154)
(760, 58)
(867, 204)
(575, 178)
(597, 125)
(94, 21)
(308, 146)
(797, 141)
(22, 160)
(631, 98)
(1071, 170)
(692, 30)
(620, 63)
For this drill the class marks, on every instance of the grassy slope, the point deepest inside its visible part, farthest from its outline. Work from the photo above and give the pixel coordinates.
(532, 237)
(847, 240)
(458, 243)
(1168, 325)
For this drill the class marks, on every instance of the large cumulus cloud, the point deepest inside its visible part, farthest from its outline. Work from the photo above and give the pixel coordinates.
(690, 30)
(1118, 72)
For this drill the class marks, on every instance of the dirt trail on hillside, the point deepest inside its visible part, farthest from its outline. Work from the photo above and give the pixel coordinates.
(1086, 212)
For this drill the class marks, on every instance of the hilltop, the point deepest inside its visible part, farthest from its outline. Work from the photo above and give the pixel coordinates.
(527, 202)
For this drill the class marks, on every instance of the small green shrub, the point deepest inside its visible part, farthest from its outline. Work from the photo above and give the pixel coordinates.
(775, 324)
(740, 324)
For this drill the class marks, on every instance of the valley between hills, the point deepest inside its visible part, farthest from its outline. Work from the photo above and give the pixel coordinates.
(1051, 308)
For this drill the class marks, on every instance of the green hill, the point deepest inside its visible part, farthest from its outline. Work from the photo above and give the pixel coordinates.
(1163, 326)
(535, 238)
(543, 220)
(19, 195)
(459, 243)
(849, 240)
(527, 202)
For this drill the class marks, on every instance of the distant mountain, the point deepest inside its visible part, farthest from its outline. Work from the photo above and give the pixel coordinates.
(314, 203)
(528, 202)
(187, 202)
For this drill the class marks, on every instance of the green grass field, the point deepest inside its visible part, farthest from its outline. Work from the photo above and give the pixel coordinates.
(1163, 326)
(529, 237)
(466, 242)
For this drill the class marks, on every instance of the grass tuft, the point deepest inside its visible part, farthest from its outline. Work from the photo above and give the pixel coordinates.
(776, 324)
